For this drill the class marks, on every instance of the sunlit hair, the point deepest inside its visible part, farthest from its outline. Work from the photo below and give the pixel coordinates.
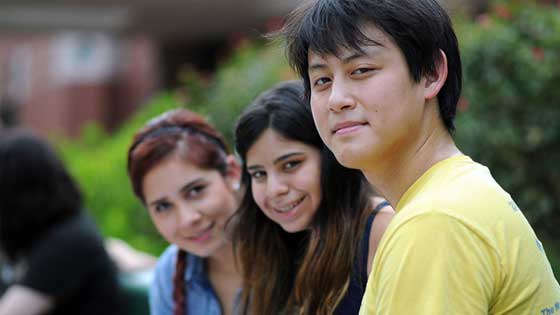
(420, 28)
(306, 272)
(187, 134)
(36, 191)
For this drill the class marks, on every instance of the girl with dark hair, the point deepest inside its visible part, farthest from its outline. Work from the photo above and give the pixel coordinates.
(307, 228)
(58, 261)
(180, 169)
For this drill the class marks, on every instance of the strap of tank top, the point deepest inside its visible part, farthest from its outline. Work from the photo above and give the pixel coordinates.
(381, 205)
(365, 247)
(365, 240)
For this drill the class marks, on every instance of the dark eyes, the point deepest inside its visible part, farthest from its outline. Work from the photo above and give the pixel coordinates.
(287, 167)
(321, 81)
(256, 175)
(191, 194)
(358, 72)
(195, 191)
(362, 71)
(291, 165)
(162, 207)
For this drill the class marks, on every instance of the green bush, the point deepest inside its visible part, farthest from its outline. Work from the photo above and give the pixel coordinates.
(98, 160)
(511, 104)
(509, 118)
(510, 110)
(252, 69)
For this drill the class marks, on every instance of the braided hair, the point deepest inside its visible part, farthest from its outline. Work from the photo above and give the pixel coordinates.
(197, 142)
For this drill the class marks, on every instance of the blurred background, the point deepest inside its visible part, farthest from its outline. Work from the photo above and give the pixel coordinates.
(88, 74)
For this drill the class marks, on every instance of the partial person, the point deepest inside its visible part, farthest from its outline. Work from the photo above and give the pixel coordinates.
(383, 78)
(307, 228)
(180, 168)
(53, 254)
(128, 259)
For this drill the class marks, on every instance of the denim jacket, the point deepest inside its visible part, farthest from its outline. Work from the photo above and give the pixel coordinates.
(201, 297)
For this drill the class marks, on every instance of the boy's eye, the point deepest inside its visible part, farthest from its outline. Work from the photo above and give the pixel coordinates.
(362, 71)
(321, 81)
(162, 207)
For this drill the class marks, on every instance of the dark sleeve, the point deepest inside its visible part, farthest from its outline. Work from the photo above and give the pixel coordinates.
(63, 259)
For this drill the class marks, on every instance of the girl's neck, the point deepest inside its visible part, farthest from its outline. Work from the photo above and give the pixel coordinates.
(224, 277)
(223, 261)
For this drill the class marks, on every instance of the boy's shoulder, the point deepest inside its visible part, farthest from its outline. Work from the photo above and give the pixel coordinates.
(462, 190)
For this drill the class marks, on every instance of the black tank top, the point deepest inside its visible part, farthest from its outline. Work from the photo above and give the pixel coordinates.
(351, 302)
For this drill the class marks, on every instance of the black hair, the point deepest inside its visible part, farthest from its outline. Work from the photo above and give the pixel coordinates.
(36, 191)
(420, 28)
(284, 110)
(284, 271)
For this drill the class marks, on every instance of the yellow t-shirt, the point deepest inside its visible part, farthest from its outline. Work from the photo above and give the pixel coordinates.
(459, 245)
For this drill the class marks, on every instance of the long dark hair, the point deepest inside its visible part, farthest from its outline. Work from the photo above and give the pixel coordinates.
(196, 141)
(306, 272)
(36, 191)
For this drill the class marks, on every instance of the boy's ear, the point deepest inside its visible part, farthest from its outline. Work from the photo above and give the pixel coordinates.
(435, 81)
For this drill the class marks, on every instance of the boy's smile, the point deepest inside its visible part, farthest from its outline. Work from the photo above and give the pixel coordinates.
(365, 104)
(347, 127)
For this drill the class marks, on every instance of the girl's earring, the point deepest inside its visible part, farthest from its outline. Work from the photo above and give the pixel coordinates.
(236, 186)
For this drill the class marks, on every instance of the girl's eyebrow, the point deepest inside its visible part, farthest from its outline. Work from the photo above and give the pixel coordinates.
(157, 201)
(276, 161)
(191, 184)
(286, 156)
(183, 189)
(254, 167)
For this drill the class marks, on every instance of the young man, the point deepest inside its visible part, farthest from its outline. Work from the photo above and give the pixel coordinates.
(383, 78)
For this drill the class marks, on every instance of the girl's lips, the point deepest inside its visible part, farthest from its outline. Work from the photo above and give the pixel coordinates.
(204, 235)
(292, 212)
(290, 206)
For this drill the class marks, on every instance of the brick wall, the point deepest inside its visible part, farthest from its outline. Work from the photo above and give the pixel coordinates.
(53, 93)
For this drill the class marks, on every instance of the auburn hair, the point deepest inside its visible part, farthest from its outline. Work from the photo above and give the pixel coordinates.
(182, 132)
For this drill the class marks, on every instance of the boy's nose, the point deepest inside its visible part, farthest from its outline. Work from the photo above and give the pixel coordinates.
(340, 99)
